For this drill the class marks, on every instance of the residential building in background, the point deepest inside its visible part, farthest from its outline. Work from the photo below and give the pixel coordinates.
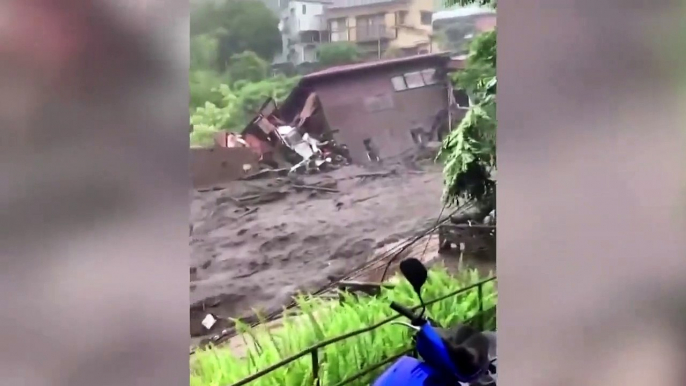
(379, 25)
(455, 27)
(302, 29)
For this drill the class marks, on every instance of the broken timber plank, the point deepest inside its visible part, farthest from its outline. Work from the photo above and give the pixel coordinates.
(369, 288)
(319, 188)
(249, 212)
(377, 174)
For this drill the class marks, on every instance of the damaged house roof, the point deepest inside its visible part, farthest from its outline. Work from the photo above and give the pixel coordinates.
(297, 97)
(348, 68)
(290, 107)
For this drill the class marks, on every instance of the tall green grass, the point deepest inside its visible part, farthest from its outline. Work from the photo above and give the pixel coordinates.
(322, 319)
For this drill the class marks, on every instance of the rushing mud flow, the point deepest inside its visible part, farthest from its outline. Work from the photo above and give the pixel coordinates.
(257, 243)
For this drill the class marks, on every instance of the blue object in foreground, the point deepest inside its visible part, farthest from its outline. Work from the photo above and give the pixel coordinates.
(465, 361)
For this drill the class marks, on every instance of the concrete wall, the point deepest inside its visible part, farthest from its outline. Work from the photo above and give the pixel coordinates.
(310, 20)
(212, 166)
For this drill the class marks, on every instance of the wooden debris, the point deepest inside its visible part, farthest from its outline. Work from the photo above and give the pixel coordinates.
(369, 288)
(374, 175)
(318, 188)
(248, 198)
(265, 173)
(364, 199)
(263, 198)
(249, 212)
(225, 199)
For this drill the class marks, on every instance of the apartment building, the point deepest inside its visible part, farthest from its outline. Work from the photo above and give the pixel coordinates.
(378, 25)
(302, 28)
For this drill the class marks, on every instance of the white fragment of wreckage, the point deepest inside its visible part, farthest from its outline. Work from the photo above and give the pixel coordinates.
(247, 167)
(209, 321)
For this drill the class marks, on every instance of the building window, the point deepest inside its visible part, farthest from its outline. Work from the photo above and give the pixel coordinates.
(429, 76)
(415, 79)
(426, 17)
(339, 30)
(461, 98)
(304, 9)
(399, 83)
(401, 17)
(371, 27)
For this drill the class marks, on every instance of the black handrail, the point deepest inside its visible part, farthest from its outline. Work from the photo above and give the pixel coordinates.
(312, 350)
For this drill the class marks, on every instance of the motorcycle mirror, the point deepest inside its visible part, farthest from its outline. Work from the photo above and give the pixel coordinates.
(414, 271)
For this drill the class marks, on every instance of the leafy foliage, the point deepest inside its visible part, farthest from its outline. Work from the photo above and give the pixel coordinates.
(232, 42)
(235, 106)
(247, 66)
(338, 53)
(203, 87)
(322, 319)
(204, 50)
(238, 26)
(469, 151)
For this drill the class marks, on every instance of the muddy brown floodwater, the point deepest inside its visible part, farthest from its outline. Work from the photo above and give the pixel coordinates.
(257, 256)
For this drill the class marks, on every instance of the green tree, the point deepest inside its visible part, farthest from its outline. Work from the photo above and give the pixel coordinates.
(203, 51)
(469, 151)
(247, 66)
(203, 87)
(338, 53)
(234, 106)
(239, 25)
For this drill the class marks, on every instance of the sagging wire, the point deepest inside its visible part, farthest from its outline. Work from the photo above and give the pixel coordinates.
(428, 232)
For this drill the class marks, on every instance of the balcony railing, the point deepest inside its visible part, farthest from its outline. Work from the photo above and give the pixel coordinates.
(367, 33)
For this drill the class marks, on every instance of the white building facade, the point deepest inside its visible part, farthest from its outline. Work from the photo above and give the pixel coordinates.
(302, 29)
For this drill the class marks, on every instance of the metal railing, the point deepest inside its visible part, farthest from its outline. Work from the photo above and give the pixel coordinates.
(313, 351)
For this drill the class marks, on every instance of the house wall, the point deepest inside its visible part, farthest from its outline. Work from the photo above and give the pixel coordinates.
(346, 102)
(310, 20)
(306, 52)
